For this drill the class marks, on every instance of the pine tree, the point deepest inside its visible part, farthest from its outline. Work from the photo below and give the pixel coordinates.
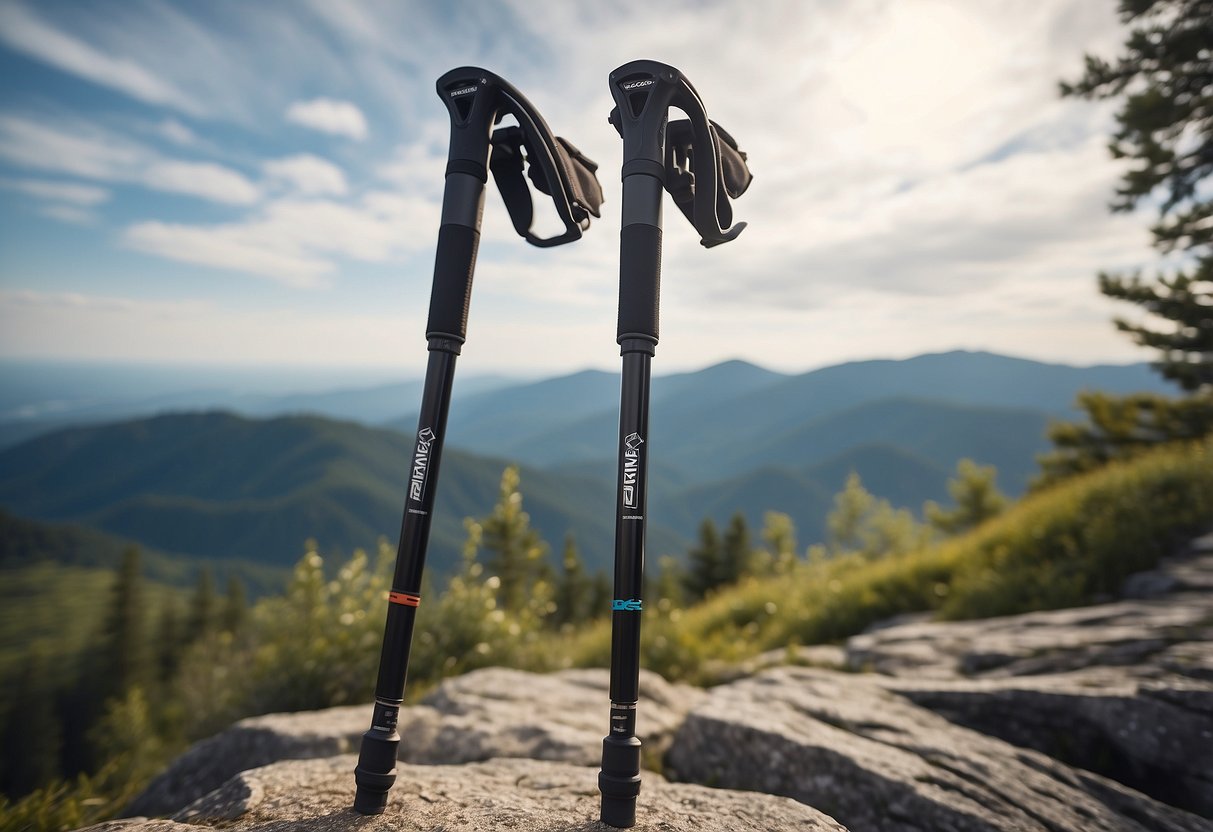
(125, 650)
(1165, 125)
(736, 550)
(573, 587)
(169, 641)
(235, 606)
(515, 551)
(202, 607)
(845, 522)
(705, 562)
(977, 499)
(779, 533)
(31, 736)
(602, 591)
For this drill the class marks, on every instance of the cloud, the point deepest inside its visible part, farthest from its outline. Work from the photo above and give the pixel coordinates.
(176, 132)
(201, 179)
(23, 31)
(116, 328)
(295, 241)
(80, 149)
(308, 175)
(80, 195)
(341, 118)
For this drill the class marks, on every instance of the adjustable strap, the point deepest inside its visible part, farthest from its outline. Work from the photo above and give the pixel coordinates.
(735, 176)
(506, 164)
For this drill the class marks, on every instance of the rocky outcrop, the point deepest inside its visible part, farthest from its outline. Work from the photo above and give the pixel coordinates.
(1122, 689)
(1155, 736)
(1169, 632)
(513, 794)
(875, 761)
(495, 712)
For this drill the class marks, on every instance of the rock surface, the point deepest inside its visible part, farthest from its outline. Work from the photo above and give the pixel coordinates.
(1170, 632)
(495, 712)
(875, 761)
(1155, 736)
(506, 794)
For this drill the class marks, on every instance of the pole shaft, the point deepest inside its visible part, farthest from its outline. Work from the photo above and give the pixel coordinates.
(639, 283)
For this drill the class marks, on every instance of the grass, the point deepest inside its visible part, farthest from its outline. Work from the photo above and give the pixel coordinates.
(1070, 545)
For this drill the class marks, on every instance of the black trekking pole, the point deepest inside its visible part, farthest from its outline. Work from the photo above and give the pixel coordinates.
(477, 100)
(700, 165)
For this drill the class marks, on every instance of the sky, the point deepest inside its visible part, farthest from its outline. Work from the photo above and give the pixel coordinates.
(260, 183)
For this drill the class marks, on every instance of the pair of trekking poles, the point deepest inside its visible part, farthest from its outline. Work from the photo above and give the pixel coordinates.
(700, 165)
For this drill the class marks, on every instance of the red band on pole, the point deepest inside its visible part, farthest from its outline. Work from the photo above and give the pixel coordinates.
(404, 598)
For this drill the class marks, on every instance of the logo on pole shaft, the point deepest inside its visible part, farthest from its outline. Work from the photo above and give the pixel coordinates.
(421, 463)
(631, 469)
(626, 604)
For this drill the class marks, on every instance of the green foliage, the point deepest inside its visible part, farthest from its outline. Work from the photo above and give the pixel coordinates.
(1165, 124)
(705, 562)
(30, 734)
(779, 534)
(862, 522)
(976, 496)
(315, 646)
(574, 588)
(516, 554)
(202, 618)
(1119, 427)
(1064, 546)
(124, 647)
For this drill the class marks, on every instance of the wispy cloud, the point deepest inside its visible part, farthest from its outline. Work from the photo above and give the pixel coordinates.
(80, 149)
(82, 195)
(341, 118)
(24, 31)
(308, 175)
(295, 241)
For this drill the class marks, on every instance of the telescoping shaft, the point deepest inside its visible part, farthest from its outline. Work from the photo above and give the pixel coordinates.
(475, 100)
(655, 155)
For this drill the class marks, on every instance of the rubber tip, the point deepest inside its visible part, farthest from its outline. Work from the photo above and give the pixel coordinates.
(370, 801)
(619, 812)
(376, 771)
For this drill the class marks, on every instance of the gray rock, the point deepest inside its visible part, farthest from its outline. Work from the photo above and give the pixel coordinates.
(1155, 736)
(876, 761)
(494, 712)
(503, 794)
(1131, 634)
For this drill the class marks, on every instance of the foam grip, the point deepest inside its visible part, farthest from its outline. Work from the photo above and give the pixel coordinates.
(452, 292)
(639, 280)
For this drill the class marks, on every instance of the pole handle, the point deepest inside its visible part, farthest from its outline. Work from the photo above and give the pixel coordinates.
(451, 295)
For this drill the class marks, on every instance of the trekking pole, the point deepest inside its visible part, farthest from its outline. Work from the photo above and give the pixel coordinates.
(477, 100)
(700, 165)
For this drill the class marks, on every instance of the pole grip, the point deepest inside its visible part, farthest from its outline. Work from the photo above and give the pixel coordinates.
(452, 293)
(639, 281)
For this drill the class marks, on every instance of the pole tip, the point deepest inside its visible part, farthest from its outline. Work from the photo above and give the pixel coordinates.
(370, 801)
(619, 812)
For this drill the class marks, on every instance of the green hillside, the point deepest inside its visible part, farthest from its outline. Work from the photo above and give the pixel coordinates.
(216, 485)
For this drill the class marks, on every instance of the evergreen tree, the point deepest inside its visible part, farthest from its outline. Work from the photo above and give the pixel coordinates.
(169, 641)
(705, 562)
(602, 591)
(844, 523)
(862, 522)
(125, 650)
(977, 499)
(1165, 125)
(736, 549)
(30, 737)
(670, 581)
(202, 607)
(515, 551)
(573, 587)
(779, 533)
(235, 606)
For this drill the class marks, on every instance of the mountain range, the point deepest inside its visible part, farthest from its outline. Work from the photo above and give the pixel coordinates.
(731, 437)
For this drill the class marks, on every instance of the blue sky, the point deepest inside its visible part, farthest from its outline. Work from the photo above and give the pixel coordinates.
(260, 183)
